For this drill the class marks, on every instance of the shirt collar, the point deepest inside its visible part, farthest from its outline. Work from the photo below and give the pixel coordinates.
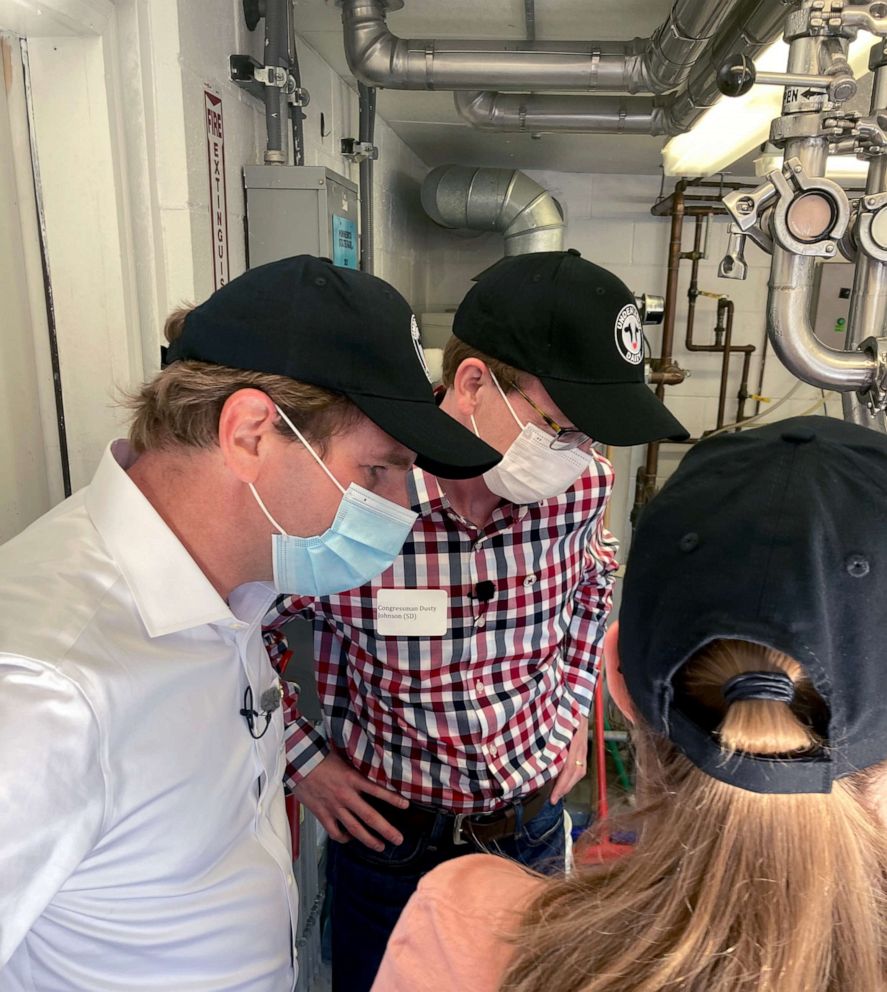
(425, 492)
(168, 588)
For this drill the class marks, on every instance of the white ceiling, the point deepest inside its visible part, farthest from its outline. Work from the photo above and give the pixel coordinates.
(428, 122)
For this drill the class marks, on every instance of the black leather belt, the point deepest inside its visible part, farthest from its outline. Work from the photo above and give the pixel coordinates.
(480, 827)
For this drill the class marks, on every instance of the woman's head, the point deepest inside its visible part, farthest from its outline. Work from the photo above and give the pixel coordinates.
(777, 537)
(747, 660)
(727, 889)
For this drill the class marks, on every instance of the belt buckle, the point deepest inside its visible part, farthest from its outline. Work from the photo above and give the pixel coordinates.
(458, 839)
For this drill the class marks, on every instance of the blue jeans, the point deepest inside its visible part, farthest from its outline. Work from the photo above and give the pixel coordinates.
(370, 889)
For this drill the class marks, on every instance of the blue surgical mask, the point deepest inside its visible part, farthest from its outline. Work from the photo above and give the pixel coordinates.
(364, 538)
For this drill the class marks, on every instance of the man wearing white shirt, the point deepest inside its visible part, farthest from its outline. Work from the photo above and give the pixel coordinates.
(143, 841)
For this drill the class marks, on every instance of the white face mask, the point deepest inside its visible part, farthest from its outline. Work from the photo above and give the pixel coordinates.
(531, 470)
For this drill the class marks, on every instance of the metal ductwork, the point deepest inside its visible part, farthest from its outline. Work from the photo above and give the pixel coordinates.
(657, 64)
(754, 27)
(563, 112)
(504, 200)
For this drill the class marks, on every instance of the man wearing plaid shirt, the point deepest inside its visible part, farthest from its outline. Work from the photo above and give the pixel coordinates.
(456, 686)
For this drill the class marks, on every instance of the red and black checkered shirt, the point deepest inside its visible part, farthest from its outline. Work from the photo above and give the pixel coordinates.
(485, 713)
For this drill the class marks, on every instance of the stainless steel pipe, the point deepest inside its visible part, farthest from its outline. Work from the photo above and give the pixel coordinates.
(657, 64)
(574, 112)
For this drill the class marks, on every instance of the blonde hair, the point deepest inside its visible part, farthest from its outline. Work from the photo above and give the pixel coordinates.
(455, 353)
(182, 404)
(726, 890)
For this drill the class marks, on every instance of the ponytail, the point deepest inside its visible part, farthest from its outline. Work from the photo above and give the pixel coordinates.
(727, 890)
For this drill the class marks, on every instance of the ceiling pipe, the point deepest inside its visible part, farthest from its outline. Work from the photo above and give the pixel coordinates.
(575, 112)
(657, 64)
(505, 200)
(756, 25)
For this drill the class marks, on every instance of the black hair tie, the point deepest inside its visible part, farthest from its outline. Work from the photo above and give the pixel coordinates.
(774, 686)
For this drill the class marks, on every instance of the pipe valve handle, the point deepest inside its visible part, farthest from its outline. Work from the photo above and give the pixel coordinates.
(736, 76)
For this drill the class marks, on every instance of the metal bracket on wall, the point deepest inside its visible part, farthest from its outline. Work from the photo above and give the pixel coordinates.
(252, 76)
(359, 151)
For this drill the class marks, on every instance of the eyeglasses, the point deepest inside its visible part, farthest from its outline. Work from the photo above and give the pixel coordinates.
(564, 437)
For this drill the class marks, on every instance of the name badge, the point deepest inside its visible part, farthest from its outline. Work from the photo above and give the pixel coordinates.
(411, 612)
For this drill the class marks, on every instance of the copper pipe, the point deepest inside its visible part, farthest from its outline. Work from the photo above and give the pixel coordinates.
(645, 482)
(727, 306)
(743, 387)
(668, 377)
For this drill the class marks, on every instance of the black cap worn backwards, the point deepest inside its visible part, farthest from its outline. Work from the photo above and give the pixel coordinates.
(576, 327)
(346, 331)
(777, 536)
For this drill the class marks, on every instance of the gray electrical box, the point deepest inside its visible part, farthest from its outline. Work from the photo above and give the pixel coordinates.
(832, 307)
(300, 209)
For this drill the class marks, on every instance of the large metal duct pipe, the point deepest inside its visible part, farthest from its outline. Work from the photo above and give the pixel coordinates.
(576, 112)
(755, 26)
(643, 65)
(505, 200)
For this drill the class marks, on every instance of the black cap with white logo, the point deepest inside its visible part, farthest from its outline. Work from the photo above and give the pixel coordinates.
(576, 327)
(344, 330)
(776, 536)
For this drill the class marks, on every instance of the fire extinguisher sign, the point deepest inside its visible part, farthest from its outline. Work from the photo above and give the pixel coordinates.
(218, 199)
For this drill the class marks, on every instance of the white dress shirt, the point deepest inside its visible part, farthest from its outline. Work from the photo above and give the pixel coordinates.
(143, 838)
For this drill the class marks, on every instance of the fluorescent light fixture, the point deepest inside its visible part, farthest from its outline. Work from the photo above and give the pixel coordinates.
(837, 166)
(735, 126)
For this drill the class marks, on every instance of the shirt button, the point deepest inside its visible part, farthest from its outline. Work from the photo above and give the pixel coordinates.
(480, 622)
(289, 878)
(479, 686)
(530, 579)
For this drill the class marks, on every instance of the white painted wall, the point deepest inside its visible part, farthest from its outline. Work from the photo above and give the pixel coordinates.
(118, 112)
(24, 472)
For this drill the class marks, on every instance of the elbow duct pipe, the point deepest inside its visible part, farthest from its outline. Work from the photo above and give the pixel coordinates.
(505, 200)
(642, 65)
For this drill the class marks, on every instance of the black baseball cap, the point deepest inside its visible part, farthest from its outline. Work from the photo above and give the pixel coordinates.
(778, 536)
(341, 329)
(576, 327)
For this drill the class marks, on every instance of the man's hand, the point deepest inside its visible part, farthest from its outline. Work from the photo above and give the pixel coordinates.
(575, 767)
(332, 791)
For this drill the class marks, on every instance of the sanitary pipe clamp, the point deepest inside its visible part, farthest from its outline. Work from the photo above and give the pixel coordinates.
(810, 214)
(871, 227)
(875, 397)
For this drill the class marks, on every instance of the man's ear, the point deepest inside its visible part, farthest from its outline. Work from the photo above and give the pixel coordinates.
(615, 682)
(247, 432)
(469, 377)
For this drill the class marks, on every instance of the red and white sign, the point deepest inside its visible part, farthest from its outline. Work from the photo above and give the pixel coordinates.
(218, 198)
